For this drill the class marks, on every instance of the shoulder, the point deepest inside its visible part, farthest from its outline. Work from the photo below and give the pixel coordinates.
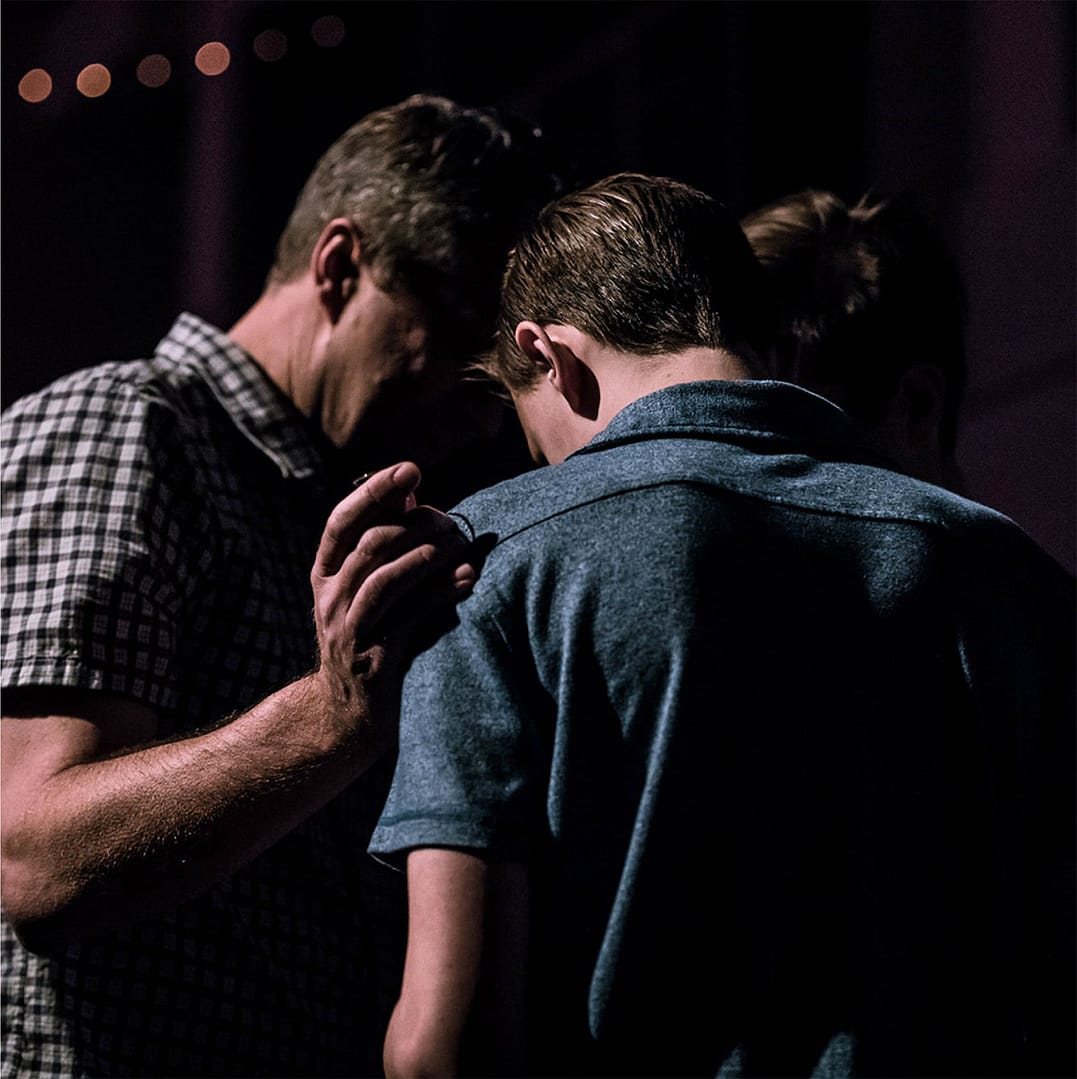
(973, 526)
(598, 478)
(163, 403)
(105, 442)
(108, 393)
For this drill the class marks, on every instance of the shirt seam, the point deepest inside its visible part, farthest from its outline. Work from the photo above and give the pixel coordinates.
(733, 489)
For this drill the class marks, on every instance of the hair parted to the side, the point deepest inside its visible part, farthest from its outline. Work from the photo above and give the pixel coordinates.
(858, 294)
(643, 264)
(438, 192)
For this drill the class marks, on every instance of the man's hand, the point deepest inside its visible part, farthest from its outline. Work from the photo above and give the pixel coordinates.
(382, 563)
(100, 824)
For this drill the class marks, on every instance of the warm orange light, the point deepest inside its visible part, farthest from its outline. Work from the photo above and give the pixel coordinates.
(93, 80)
(270, 45)
(153, 70)
(35, 85)
(328, 31)
(212, 58)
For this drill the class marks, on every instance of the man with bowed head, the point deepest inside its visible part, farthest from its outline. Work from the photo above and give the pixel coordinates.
(187, 791)
(746, 755)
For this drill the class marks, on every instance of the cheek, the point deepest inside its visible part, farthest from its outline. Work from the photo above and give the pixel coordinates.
(402, 342)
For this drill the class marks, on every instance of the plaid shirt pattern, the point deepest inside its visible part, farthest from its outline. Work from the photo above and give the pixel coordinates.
(159, 523)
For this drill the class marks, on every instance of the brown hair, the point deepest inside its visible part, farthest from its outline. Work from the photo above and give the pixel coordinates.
(438, 193)
(644, 264)
(858, 294)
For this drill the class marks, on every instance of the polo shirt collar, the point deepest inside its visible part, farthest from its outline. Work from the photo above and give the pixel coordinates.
(753, 410)
(253, 402)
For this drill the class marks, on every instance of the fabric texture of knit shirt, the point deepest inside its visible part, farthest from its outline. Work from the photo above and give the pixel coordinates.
(785, 739)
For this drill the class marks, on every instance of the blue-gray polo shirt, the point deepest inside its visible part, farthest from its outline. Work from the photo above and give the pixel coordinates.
(785, 739)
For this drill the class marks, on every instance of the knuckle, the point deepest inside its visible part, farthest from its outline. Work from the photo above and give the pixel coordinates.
(427, 553)
(374, 539)
(338, 521)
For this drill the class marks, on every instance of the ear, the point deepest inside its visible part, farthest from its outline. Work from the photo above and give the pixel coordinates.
(334, 265)
(920, 394)
(566, 370)
(914, 423)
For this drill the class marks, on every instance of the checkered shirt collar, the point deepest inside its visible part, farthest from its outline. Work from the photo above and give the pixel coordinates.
(254, 404)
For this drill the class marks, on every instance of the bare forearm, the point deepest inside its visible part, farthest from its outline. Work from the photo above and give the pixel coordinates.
(106, 840)
(101, 824)
(446, 909)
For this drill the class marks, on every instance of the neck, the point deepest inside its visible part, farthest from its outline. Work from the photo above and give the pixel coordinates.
(627, 382)
(279, 335)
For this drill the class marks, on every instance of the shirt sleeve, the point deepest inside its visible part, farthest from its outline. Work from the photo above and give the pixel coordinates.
(101, 541)
(471, 762)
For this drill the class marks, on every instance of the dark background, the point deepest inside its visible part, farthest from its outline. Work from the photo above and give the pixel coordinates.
(122, 210)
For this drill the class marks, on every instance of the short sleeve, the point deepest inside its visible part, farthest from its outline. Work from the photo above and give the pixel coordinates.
(470, 771)
(102, 536)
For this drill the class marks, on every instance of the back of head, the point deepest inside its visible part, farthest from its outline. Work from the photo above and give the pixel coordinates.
(643, 264)
(438, 193)
(860, 294)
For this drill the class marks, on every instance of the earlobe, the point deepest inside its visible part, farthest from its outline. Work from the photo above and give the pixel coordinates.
(334, 264)
(574, 380)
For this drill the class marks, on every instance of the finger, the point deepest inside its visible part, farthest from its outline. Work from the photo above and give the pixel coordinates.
(407, 623)
(383, 543)
(463, 580)
(386, 492)
(400, 584)
(409, 503)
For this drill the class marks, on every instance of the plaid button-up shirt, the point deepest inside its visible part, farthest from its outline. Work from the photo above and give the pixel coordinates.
(160, 519)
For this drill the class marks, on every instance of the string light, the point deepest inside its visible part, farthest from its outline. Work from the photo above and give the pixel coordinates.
(35, 85)
(93, 80)
(153, 70)
(328, 31)
(270, 45)
(212, 58)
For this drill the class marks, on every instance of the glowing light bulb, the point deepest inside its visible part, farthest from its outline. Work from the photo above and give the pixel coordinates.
(328, 31)
(212, 58)
(153, 70)
(93, 80)
(35, 85)
(270, 45)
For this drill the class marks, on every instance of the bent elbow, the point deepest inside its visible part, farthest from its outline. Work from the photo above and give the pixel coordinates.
(34, 910)
(41, 936)
(403, 1064)
(411, 1054)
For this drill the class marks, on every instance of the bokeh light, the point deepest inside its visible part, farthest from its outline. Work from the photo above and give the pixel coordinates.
(35, 85)
(270, 45)
(328, 31)
(153, 70)
(212, 58)
(93, 80)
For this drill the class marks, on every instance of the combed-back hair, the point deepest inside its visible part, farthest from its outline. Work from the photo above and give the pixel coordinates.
(858, 294)
(438, 193)
(643, 264)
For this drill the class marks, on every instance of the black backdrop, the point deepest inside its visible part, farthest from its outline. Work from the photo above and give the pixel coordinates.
(119, 211)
